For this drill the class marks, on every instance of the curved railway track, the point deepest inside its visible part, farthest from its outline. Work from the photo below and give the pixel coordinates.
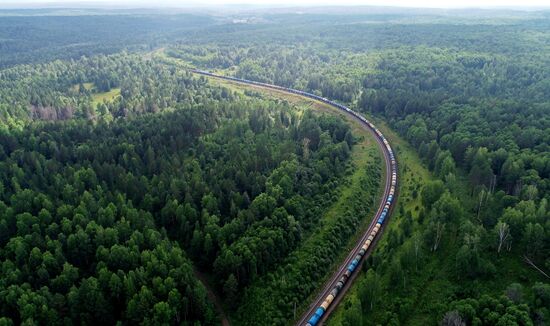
(336, 286)
(331, 283)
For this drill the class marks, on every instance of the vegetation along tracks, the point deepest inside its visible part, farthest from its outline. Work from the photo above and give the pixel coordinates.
(335, 287)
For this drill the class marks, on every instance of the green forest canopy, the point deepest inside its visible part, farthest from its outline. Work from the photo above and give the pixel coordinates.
(95, 194)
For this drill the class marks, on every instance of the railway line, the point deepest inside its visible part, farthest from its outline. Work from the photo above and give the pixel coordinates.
(336, 286)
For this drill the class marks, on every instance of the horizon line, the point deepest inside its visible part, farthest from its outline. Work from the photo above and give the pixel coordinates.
(149, 5)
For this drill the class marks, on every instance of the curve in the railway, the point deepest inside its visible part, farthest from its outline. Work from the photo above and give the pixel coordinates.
(334, 289)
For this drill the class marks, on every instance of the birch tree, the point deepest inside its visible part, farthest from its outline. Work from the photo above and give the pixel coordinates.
(503, 231)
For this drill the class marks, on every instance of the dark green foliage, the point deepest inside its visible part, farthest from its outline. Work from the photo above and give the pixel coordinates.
(51, 35)
(96, 215)
(492, 311)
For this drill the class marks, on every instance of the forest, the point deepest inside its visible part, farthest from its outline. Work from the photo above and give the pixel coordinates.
(123, 175)
(110, 204)
(41, 36)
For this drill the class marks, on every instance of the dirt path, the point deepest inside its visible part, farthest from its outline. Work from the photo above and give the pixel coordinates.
(213, 297)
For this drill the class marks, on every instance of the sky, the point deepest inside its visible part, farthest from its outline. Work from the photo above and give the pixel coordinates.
(400, 3)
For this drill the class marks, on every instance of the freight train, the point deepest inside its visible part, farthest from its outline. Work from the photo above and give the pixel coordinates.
(381, 215)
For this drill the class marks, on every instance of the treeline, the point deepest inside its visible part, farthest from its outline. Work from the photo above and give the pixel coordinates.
(35, 36)
(298, 66)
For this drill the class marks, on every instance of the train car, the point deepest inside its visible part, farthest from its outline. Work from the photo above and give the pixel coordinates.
(353, 265)
(316, 316)
(347, 273)
(329, 298)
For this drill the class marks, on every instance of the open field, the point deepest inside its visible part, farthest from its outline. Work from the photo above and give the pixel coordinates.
(105, 96)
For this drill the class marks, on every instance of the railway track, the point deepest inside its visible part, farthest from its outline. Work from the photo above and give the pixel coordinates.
(335, 288)
(331, 283)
